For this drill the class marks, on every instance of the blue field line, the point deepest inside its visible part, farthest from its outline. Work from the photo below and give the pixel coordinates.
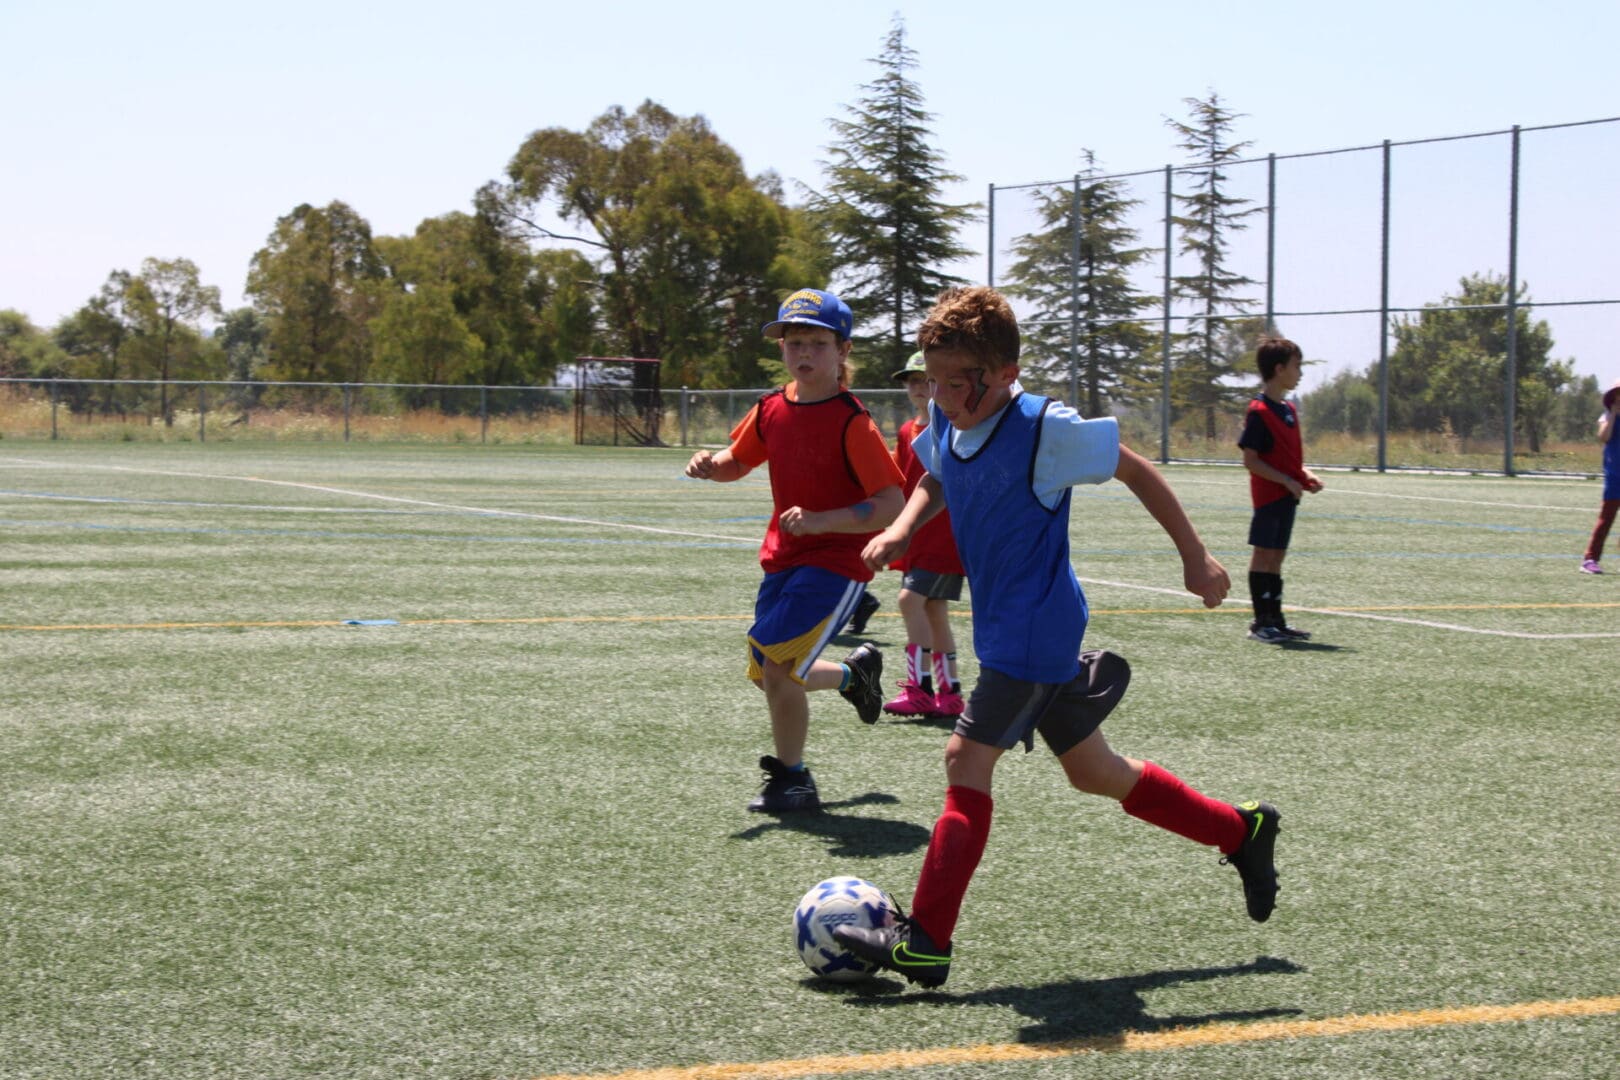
(304, 534)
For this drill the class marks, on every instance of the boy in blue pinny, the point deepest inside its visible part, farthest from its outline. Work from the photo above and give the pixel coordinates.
(1004, 461)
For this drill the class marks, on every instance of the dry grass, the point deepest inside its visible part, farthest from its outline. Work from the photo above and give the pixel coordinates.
(27, 416)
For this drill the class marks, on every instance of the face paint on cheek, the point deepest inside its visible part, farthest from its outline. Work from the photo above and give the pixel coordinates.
(980, 389)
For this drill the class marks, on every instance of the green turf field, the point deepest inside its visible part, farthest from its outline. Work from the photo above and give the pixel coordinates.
(505, 837)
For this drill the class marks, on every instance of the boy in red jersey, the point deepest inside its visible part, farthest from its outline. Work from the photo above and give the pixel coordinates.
(933, 578)
(1274, 454)
(833, 485)
(1005, 462)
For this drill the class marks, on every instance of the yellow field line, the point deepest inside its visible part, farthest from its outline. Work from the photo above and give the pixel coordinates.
(544, 620)
(1218, 1034)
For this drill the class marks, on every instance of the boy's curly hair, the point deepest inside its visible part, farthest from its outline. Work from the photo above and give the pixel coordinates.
(976, 319)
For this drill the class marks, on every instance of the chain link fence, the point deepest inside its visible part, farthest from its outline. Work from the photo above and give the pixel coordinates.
(1344, 244)
(132, 410)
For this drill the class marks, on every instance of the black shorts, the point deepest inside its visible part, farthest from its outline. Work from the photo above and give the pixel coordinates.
(1273, 524)
(933, 586)
(1004, 711)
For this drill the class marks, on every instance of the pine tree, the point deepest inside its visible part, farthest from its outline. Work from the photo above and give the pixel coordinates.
(1202, 359)
(891, 235)
(1075, 272)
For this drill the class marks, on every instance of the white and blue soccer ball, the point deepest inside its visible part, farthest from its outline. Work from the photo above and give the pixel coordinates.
(839, 901)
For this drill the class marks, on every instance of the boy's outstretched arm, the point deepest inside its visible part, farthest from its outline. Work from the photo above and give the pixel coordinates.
(721, 467)
(925, 502)
(1203, 575)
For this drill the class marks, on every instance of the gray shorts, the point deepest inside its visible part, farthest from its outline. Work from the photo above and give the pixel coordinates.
(933, 586)
(1004, 711)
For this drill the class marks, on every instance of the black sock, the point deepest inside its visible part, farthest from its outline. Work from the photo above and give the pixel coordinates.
(1265, 591)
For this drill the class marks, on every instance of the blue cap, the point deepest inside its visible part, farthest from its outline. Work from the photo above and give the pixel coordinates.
(812, 307)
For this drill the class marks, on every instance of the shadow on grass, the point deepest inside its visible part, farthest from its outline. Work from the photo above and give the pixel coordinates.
(1092, 1011)
(1312, 646)
(850, 835)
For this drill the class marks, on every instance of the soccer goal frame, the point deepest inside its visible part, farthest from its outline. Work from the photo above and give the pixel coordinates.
(617, 401)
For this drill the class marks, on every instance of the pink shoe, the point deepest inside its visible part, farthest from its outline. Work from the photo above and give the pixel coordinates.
(948, 703)
(912, 700)
(1590, 566)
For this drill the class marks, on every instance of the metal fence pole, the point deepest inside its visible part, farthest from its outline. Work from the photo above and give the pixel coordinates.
(346, 400)
(685, 411)
(1164, 376)
(483, 414)
(202, 413)
(54, 393)
(990, 248)
(1511, 380)
(1383, 327)
(1271, 243)
(1074, 304)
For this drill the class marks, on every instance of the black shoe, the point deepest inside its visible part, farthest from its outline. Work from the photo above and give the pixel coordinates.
(1293, 634)
(1253, 859)
(1271, 635)
(865, 607)
(904, 947)
(786, 791)
(865, 689)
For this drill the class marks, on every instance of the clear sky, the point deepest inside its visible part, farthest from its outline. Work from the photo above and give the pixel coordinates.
(185, 129)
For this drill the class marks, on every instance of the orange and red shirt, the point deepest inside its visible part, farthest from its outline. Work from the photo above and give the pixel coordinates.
(824, 455)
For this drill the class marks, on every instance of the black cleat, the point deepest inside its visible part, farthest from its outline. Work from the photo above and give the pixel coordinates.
(865, 608)
(1294, 634)
(786, 791)
(904, 947)
(865, 689)
(1253, 859)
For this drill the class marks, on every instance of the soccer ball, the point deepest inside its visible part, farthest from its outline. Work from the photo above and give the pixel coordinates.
(839, 901)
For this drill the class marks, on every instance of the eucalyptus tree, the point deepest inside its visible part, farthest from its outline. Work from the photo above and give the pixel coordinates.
(318, 281)
(681, 240)
(170, 303)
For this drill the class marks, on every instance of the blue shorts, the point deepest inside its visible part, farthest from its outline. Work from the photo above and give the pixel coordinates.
(1273, 524)
(797, 611)
(1003, 711)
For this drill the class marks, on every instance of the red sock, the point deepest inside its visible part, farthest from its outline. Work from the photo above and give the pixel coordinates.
(954, 851)
(1161, 798)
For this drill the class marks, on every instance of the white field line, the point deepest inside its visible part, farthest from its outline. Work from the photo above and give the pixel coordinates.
(1523, 635)
(1331, 490)
(748, 540)
(521, 514)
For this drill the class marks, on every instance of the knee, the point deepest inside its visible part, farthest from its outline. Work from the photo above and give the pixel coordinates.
(776, 678)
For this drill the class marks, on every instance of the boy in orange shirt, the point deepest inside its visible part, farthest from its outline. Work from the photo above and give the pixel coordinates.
(833, 485)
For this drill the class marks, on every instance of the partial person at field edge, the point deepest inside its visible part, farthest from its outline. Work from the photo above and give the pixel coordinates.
(1590, 564)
